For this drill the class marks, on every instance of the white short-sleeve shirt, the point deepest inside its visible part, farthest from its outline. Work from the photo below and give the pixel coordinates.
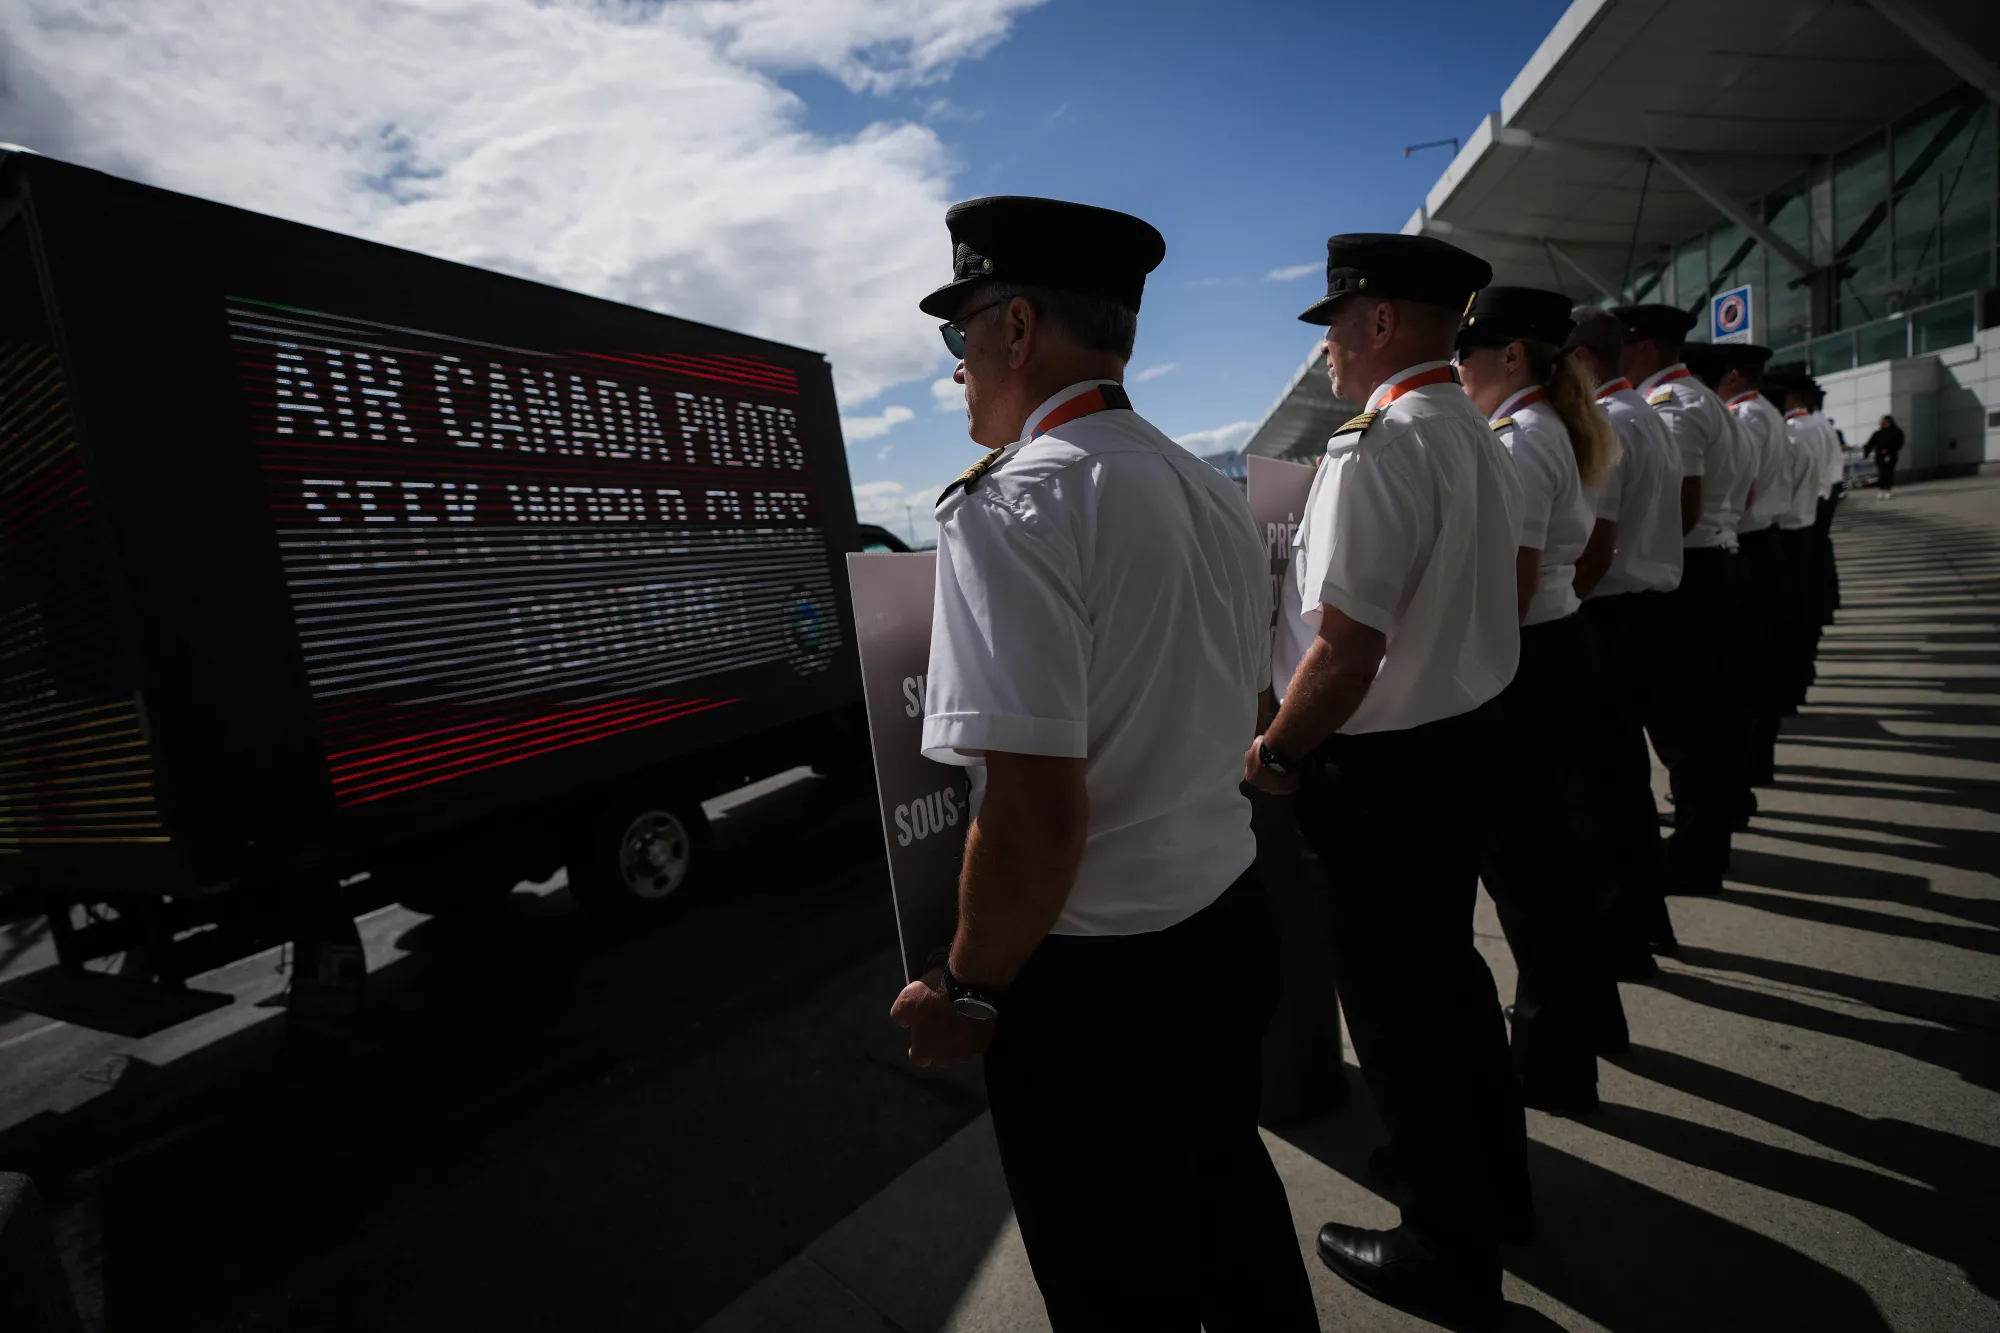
(1804, 477)
(1103, 594)
(1556, 519)
(1411, 529)
(1704, 434)
(1642, 495)
(1763, 428)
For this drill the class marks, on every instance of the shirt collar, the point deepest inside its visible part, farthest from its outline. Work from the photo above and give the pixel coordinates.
(1387, 389)
(1617, 384)
(1527, 397)
(1677, 370)
(1743, 398)
(1054, 401)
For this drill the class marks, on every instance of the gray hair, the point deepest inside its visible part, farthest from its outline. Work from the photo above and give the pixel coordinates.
(1598, 332)
(1096, 322)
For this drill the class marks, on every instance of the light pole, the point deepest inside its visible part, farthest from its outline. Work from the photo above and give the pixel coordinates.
(910, 519)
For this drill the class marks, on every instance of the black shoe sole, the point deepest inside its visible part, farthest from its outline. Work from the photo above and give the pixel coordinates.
(1448, 1315)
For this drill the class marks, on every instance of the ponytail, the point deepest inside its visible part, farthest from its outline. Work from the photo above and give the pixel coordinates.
(1591, 438)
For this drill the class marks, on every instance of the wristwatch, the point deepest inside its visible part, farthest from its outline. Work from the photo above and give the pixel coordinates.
(1272, 761)
(979, 1003)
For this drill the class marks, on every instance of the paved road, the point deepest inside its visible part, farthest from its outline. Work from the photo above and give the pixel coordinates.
(1807, 1132)
(548, 1128)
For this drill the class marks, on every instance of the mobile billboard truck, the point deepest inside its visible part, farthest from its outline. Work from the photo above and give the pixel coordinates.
(319, 557)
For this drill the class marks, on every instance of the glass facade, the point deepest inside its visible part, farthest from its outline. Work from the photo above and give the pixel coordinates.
(1900, 227)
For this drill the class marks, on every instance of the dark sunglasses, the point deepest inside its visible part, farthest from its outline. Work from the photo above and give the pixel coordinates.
(953, 331)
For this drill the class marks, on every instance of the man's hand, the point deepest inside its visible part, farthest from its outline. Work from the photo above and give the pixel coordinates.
(1262, 778)
(939, 1034)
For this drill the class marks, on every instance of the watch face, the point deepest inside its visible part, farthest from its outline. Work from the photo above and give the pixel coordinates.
(975, 1009)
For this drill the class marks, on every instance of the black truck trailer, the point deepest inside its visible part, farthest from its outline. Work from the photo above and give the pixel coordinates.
(324, 562)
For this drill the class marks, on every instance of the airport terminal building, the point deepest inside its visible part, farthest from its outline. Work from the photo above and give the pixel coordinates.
(1820, 174)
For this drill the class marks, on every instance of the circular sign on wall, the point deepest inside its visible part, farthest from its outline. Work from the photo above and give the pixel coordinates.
(1732, 314)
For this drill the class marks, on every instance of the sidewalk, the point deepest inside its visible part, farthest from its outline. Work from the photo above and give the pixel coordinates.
(1806, 1134)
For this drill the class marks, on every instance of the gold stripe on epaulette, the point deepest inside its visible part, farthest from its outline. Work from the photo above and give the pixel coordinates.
(1355, 425)
(1503, 423)
(970, 477)
(1660, 397)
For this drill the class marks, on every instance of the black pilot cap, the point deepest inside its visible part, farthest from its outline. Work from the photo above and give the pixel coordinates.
(1392, 267)
(1046, 243)
(1667, 323)
(1501, 315)
(1714, 360)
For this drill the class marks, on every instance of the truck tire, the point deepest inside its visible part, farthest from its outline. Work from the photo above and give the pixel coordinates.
(634, 860)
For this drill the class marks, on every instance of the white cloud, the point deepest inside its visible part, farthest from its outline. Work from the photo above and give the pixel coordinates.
(949, 395)
(1294, 272)
(906, 511)
(870, 45)
(1218, 439)
(638, 151)
(868, 428)
(1154, 372)
(884, 452)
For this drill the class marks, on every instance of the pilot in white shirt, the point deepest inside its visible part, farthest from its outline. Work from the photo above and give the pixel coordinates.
(1698, 720)
(1547, 883)
(1404, 562)
(1735, 371)
(1100, 636)
(1632, 563)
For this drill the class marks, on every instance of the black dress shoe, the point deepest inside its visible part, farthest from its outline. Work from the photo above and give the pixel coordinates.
(1399, 1269)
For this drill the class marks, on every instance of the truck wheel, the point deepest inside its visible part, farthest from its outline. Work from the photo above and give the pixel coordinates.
(634, 860)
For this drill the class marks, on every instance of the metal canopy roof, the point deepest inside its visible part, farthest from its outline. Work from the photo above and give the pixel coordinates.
(1696, 103)
(1306, 413)
(1692, 101)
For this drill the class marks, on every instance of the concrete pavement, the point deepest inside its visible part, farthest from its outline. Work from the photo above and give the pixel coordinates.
(1806, 1134)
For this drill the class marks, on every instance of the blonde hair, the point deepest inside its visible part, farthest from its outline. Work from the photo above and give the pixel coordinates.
(1591, 438)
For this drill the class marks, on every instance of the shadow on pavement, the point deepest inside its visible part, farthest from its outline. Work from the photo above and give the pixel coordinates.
(1629, 1257)
(1950, 1212)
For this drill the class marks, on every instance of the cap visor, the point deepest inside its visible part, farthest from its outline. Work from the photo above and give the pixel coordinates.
(1321, 311)
(945, 301)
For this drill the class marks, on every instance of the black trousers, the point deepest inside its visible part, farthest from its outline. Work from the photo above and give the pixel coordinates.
(1629, 634)
(1543, 860)
(1800, 624)
(1699, 721)
(1124, 1080)
(1761, 643)
(1397, 818)
(1827, 574)
(1885, 472)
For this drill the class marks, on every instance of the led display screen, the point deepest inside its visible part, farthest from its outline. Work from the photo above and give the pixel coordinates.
(496, 552)
(75, 767)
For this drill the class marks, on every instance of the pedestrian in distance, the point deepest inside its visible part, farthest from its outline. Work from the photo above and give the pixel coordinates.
(1100, 637)
(1885, 446)
(1404, 629)
(1625, 575)
(1544, 860)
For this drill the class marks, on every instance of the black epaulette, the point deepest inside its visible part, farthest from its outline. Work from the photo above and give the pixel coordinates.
(1503, 423)
(1356, 425)
(970, 477)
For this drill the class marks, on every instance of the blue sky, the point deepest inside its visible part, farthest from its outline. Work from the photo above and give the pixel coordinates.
(1247, 133)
